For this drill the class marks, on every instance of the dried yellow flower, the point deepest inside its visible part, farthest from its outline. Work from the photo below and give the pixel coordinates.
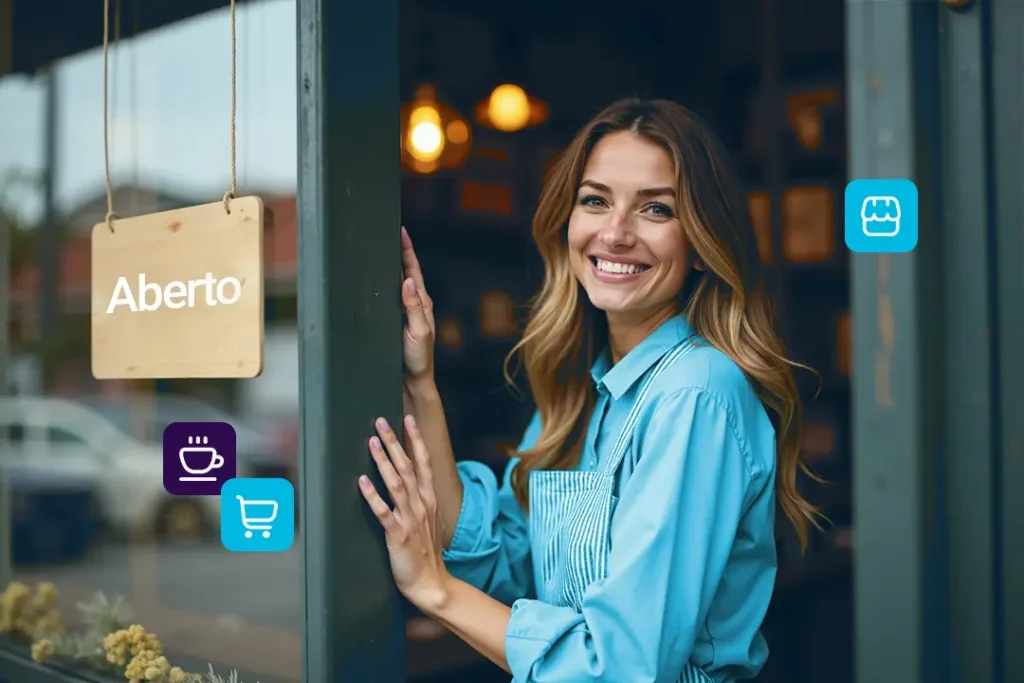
(42, 650)
(178, 675)
(46, 595)
(27, 616)
(138, 668)
(134, 648)
(147, 662)
(12, 607)
(15, 591)
(140, 639)
(116, 646)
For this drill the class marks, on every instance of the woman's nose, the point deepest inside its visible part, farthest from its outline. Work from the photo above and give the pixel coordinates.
(618, 231)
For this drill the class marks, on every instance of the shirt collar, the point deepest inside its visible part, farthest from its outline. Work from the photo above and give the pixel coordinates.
(618, 378)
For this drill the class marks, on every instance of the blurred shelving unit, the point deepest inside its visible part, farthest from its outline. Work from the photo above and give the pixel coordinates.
(781, 109)
(786, 132)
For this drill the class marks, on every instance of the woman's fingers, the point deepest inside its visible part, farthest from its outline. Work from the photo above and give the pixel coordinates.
(379, 508)
(421, 458)
(402, 465)
(418, 322)
(392, 480)
(411, 264)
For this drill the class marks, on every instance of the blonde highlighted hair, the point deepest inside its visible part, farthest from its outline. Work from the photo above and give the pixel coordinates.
(726, 302)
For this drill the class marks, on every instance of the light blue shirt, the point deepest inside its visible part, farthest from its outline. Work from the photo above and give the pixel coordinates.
(692, 561)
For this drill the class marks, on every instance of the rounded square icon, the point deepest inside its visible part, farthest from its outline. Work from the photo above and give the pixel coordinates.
(198, 457)
(257, 515)
(880, 216)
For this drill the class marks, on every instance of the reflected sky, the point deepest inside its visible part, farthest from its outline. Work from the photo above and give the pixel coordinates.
(169, 109)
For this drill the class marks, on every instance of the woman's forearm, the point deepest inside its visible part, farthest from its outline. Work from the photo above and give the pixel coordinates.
(424, 402)
(475, 617)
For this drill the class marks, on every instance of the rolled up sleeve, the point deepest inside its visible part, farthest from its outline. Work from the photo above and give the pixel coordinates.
(670, 543)
(490, 546)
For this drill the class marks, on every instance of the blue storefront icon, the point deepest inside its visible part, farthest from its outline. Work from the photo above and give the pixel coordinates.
(881, 216)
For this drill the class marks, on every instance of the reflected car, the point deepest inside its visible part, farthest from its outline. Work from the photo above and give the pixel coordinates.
(281, 432)
(145, 417)
(128, 473)
(55, 516)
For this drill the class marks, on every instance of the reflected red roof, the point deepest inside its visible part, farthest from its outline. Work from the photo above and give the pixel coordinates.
(280, 252)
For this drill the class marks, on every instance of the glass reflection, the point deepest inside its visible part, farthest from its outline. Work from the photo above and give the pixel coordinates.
(96, 543)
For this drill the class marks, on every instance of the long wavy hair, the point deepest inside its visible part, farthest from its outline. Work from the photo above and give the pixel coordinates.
(725, 301)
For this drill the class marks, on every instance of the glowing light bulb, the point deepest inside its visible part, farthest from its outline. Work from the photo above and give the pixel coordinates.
(508, 108)
(426, 141)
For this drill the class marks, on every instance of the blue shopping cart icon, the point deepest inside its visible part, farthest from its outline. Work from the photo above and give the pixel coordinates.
(257, 515)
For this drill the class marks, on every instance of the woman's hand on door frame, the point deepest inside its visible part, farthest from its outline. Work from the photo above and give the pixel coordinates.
(411, 526)
(418, 338)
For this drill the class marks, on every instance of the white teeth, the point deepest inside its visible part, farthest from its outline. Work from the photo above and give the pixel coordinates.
(613, 267)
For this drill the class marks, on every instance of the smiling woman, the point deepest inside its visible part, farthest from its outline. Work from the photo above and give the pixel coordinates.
(667, 429)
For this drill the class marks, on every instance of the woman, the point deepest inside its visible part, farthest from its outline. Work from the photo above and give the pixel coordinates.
(632, 539)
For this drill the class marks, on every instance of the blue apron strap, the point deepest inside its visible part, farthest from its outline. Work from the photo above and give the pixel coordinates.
(626, 434)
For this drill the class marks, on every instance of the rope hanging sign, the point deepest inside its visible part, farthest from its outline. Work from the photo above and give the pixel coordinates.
(178, 294)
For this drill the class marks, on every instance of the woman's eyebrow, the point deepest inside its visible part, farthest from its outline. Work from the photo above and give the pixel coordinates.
(657, 192)
(647, 192)
(600, 187)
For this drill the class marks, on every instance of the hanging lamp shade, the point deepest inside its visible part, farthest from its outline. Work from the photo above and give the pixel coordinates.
(434, 136)
(509, 108)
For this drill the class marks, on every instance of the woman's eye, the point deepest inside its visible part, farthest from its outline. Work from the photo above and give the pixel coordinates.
(592, 200)
(659, 210)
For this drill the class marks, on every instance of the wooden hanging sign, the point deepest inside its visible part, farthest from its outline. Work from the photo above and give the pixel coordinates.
(179, 294)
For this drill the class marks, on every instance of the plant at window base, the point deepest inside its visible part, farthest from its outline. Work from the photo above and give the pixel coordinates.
(141, 655)
(212, 677)
(25, 616)
(107, 640)
(100, 616)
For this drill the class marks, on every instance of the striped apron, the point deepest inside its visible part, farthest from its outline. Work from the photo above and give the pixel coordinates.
(570, 520)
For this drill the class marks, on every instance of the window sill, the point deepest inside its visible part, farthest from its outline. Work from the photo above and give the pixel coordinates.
(17, 666)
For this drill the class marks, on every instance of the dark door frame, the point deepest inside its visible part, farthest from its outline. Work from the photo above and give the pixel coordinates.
(350, 356)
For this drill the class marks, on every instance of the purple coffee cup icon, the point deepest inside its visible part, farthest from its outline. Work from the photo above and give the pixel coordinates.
(198, 457)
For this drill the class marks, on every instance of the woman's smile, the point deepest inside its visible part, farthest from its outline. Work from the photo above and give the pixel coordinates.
(616, 271)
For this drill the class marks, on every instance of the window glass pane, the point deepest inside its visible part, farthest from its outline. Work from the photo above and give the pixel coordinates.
(63, 437)
(84, 504)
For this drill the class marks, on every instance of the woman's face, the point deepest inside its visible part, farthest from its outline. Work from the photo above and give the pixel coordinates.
(626, 241)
